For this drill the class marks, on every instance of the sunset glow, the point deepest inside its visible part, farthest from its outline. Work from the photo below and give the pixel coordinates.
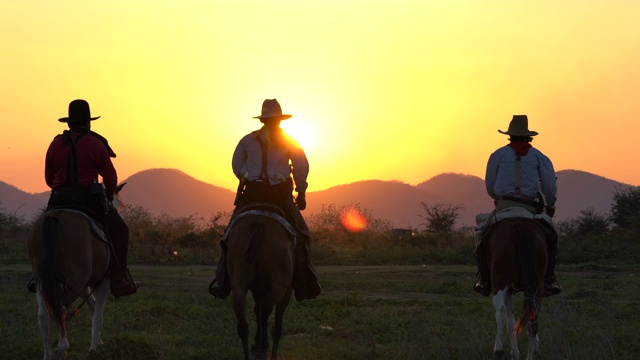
(390, 90)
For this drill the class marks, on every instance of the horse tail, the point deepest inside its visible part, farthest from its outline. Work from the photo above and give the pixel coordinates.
(50, 282)
(256, 234)
(528, 277)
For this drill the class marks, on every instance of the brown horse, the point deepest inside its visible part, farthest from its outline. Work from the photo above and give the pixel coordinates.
(261, 260)
(518, 261)
(69, 260)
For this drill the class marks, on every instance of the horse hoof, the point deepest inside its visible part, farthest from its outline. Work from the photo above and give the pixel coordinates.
(59, 354)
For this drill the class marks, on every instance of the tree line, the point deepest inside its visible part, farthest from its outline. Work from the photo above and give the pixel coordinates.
(163, 239)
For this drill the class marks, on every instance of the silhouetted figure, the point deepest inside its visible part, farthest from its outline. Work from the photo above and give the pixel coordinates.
(522, 176)
(264, 161)
(73, 163)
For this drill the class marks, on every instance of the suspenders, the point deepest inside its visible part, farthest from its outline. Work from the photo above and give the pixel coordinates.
(264, 176)
(72, 159)
(518, 180)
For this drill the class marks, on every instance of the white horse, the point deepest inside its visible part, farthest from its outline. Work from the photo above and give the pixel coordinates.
(518, 260)
(69, 260)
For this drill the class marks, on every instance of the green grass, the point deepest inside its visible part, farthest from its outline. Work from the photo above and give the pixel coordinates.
(364, 312)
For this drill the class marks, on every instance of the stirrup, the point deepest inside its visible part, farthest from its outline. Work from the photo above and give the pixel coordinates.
(31, 285)
(551, 288)
(482, 288)
(218, 292)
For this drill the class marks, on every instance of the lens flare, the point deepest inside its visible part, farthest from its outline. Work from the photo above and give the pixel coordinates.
(353, 221)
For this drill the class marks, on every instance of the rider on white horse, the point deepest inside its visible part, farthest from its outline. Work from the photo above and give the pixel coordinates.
(74, 160)
(519, 175)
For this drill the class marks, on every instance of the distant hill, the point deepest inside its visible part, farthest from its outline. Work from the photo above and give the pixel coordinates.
(579, 190)
(20, 203)
(467, 191)
(175, 193)
(390, 200)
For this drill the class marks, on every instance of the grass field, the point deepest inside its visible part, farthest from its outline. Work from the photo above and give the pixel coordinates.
(364, 312)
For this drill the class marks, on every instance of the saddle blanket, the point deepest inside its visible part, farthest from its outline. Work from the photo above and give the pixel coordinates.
(275, 216)
(485, 220)
(95, 227)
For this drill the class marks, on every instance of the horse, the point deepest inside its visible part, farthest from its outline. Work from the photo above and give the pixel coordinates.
(518, 262)
(261, 260)
(69, 260)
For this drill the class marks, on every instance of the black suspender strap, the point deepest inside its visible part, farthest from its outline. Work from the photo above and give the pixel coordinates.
(263, 171)
(72, 159)
(518, 176)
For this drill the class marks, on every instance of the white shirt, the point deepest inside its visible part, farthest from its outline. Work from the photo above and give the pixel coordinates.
(536, 174)
(283, 160)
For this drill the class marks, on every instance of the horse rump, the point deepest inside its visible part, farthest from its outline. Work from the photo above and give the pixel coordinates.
(529, 280)
(256, 234)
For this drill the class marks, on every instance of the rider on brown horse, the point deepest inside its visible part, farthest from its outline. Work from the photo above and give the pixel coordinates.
(73, 162)
(520, 175)
(264, 162)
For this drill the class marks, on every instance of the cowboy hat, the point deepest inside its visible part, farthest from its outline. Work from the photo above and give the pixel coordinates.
(519, 126)
(271, 110)
(78, 111)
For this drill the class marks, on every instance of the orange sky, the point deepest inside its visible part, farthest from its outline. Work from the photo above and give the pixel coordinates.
(391, 90)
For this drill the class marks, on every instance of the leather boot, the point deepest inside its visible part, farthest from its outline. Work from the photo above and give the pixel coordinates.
(305, 280)
(219, 287)
(122, 284)
(483, 285)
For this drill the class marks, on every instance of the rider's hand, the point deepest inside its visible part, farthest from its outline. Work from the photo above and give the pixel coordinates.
(551, 210)
(301, 201)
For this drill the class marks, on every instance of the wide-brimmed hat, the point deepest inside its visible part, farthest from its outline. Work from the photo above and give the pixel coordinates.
(78, 111)
(519, 126)
(271, 110)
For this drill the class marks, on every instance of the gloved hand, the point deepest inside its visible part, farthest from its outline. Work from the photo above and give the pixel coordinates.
(301, 201)
(551, 210)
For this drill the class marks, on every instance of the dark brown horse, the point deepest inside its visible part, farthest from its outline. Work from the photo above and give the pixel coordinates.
(261, 256)
(518, 261)
(69, 260)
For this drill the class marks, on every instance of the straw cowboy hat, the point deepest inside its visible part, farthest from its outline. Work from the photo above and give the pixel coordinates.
(78, 111)
(272, 110)
(519, 126)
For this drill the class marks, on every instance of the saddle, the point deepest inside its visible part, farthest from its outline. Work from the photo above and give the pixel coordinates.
(263, 199)
(486, 223)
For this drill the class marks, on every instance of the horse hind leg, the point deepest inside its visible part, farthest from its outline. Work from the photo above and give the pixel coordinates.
(101, 294)
(63, 342)
(534, 343)
(504, 319)
(242, 327)
(276, 331)
(262, 310)
(44, 322)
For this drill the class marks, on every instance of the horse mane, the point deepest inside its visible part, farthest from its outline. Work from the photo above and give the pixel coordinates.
(52, 292)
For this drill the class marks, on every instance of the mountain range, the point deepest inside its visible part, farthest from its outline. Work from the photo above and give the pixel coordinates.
(172, 192)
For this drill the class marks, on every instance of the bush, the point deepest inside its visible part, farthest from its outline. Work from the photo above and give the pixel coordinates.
(625, 211)
(589, 222)
(194, 240)
(440, 218)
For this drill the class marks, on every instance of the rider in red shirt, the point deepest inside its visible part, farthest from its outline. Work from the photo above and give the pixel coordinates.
(73, 163)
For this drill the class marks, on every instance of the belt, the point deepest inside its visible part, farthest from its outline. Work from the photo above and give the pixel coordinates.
(518, 200)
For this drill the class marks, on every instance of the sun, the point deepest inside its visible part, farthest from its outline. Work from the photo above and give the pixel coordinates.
(302, 132)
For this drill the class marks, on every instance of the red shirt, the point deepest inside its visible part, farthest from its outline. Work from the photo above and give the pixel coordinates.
(93, 160)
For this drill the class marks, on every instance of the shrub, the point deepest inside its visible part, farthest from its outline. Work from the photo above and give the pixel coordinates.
(625, 210)
(440, 218)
